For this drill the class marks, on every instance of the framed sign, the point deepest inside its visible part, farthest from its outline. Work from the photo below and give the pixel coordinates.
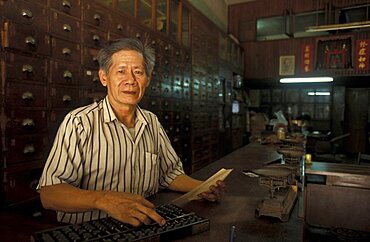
(335, 59)
(334, 53)
(286, 65)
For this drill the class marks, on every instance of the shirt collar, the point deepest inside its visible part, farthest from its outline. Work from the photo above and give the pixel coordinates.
(110, 116)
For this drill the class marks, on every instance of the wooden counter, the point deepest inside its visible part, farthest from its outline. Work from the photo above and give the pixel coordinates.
(237, 207)
(338, 196)
(240, 201)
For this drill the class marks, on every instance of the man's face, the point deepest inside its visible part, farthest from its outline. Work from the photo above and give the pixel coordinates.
(127, 80)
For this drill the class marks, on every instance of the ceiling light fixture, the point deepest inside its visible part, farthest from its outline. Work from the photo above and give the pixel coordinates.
(306, 79)
(318, 93)
(354, 25)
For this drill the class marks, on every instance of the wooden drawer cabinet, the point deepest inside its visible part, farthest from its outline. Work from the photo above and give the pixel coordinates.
(27, 68)
(167, 117)
(119, 25)
(91, 78)
(25, 95)
(26, 13)
(166, 104)
(67, 73)
(70, 7)
(96, 15)
(56, 116)
(89, 57)
(92, 95)
(24, 38)
(25, 148)
(64, 97)
(93, 37)
(186, 93)
(166, 89)
(21, 185)
(66, 50)
(65, 27)
(178, 92)
(26, 121)
(154, 88)
(114, 36)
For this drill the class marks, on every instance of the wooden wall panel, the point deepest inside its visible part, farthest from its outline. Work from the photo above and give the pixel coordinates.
(262, 57)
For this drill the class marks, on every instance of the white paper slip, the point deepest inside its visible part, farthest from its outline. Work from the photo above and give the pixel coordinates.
(193, 194)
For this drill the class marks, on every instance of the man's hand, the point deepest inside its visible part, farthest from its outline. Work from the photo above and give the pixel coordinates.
(215, 192)
(126, 207)
(129, 208)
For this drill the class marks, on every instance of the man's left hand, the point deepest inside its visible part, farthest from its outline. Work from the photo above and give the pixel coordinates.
(215, 192)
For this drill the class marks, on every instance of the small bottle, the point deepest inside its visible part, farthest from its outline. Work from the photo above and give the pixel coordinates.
(280, 133)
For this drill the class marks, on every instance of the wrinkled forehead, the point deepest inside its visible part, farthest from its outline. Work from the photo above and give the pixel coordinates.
(128, 57)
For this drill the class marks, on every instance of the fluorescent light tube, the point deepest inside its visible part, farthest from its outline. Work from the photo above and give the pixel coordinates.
(329, 27)
(306, 79)
(318, 93)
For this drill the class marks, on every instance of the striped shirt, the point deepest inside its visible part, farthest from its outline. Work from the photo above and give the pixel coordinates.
(93, 150)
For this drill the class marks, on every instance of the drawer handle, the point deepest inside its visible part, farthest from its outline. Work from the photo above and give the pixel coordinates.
(120, 27)
(166, 48)
(29, 149)
(153, 103)
(177, 53)
(67, 28)
(97, 17)
(138, 35)
(27, 96)
(27, 68)
(96, 38)
(95, 59)
(30, 40)
(95, 79)
(66, 51)
(67, 98)
(66, 4)
(67, 74)
(26, 13)
(153, 42)
(27, 122)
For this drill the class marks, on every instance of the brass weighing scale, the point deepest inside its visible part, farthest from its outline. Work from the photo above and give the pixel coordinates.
(281, 181)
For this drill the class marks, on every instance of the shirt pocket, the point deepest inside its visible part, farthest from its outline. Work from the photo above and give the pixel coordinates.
(151, 173)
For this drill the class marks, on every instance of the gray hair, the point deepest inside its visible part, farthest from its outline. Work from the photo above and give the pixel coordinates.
(105, 54)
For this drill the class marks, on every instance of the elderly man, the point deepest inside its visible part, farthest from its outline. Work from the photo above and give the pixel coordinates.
(108, 156)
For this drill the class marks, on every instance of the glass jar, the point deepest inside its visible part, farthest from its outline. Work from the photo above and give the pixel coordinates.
(280, 133)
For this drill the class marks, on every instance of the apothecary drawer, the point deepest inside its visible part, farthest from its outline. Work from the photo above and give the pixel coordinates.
(25, 95)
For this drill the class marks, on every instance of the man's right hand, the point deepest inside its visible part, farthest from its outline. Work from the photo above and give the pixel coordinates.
(129, 208)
